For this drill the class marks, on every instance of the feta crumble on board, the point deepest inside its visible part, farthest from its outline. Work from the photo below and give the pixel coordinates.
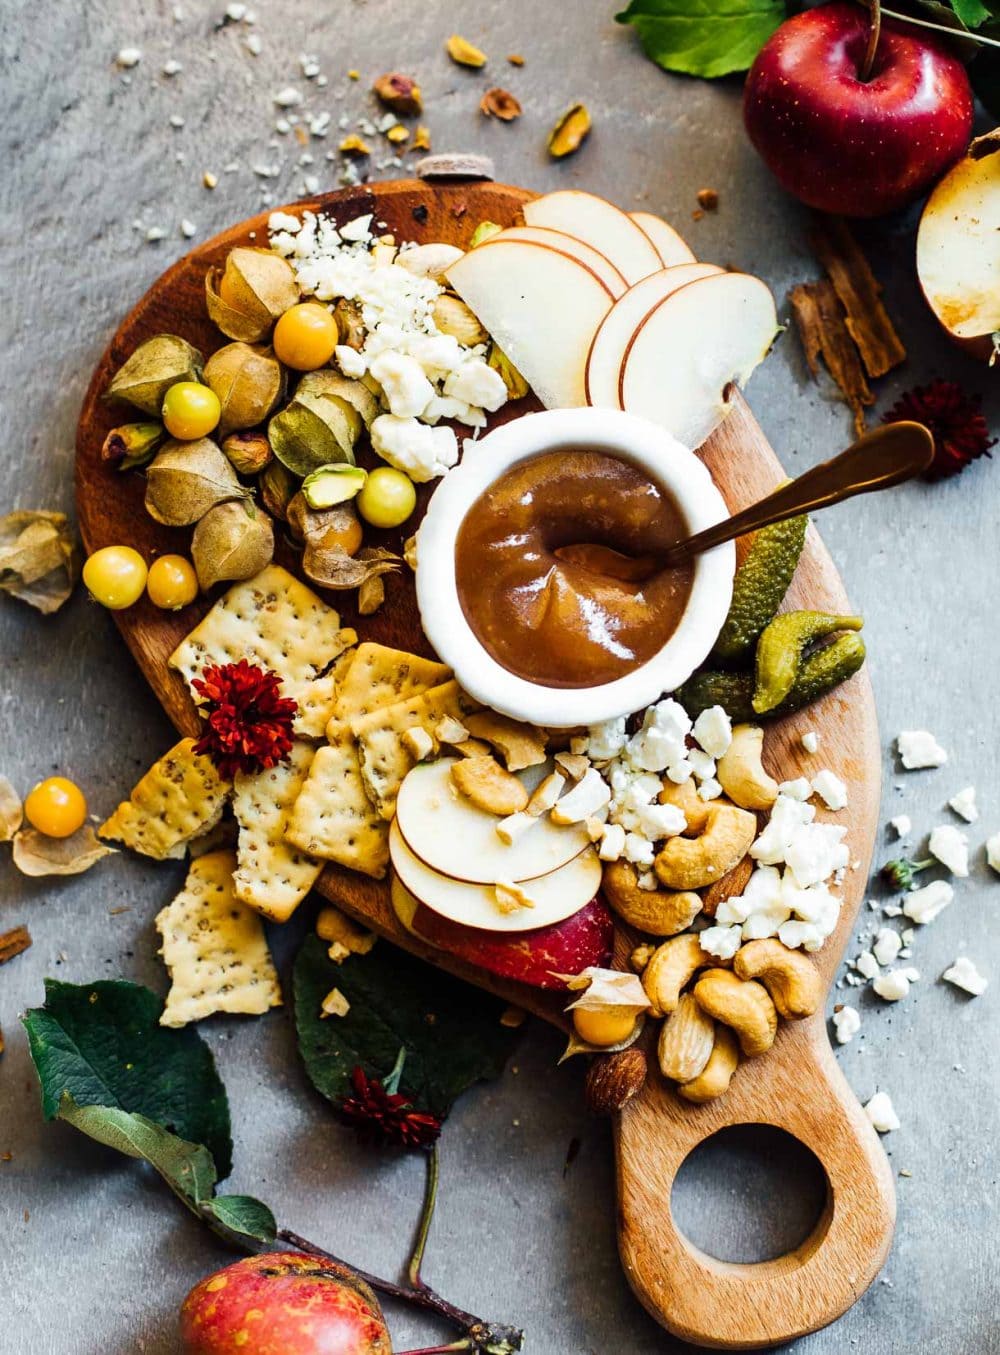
(881, 1113)
(810, 741)
(846, 1024)
(902, 824)
(830, 789)
(919, 749)
(964, 974)
(951, 847)
(964, 804)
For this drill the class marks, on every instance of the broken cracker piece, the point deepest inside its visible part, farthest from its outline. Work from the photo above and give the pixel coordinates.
(521, 745)
(273, 875)
(343, 933)
(335, 1004)
(333, 817)
(381, 676)
(181, 797)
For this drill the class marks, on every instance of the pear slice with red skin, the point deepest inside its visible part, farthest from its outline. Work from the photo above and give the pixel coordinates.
(671, 248)
(604, 361)
(599, 223)
(693, 350)
(568, 244)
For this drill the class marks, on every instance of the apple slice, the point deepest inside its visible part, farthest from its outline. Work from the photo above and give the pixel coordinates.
(598, 223)
(567, 244)
(554, 897)
(451, 835)
(533, 958)
(604, 361)
(693, 349)
(667, 243)
(542, 308)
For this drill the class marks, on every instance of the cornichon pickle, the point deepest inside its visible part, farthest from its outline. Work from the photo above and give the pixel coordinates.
(761, 583)
(781, 646)
(732, 691)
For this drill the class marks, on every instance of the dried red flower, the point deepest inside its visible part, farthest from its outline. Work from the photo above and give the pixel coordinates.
(954, 418)
(387, 1119)
(248, 723)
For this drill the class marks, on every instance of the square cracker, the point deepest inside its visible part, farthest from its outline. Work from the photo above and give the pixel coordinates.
(181, 797)
(319, 698)
(273, 620)
(379, 676)
(272, 876)
(214, 947)
(385, 759)
(333, 817)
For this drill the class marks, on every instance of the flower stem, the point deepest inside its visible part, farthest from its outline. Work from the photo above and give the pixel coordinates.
(426, 1215)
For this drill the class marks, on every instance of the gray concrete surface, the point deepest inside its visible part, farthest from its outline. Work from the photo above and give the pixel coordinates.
(95, 1257)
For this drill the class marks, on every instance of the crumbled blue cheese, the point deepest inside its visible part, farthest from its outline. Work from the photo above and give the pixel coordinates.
(476, 383)
(951, 847)
(722, 942)
(918, 748)
(421, 452)
(799, 789)
(964, 804)
(964, 974)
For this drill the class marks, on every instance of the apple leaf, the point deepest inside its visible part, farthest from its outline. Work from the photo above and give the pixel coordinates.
(971, 12)
(451, 1032)
(704, 37)
(242, 1214)
(101, 1045)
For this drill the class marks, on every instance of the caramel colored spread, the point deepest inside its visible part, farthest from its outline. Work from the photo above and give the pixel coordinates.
(556, 569)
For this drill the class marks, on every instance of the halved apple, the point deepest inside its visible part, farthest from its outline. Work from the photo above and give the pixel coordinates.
(567, 244)
(693, 349)
(668, 244)
(453, 836)
(958, 249)
(542, 308)
(598, 223)
(533, 958)
(554, 897)
(604, 361)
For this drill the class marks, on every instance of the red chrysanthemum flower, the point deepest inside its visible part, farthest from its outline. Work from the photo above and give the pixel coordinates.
(954, 418)
(387, 1119)
(248, 724)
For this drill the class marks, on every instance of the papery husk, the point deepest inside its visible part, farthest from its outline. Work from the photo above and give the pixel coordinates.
(156, 365)
(359, 396)
(247, 453)
(11, 810)
(314, 429)
(36, 855)
(317, 526)
(371, 595)
(39, 560)
(614, 990)
(132, 444)
(186, 479)
(400, 93)
(517, 387)
(278, 486)
(232, 541)
(574, 1045)
(261, 285)
(332, 567)
(249, 383)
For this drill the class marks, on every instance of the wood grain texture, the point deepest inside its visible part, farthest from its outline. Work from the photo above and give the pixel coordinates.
(797, 1085)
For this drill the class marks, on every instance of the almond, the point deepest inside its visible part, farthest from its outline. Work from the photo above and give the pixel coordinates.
(613, 1079)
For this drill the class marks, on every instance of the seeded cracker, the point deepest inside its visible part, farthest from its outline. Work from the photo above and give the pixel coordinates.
(276, 621)
(379, 676)
(272, 876)
(181, 797)
(214, 947)
(333, 817)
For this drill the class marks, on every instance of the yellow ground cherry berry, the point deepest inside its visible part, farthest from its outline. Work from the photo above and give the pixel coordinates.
(190, 410)
(603, 1028)
(387, 497)
(172, 582)
(348, 537)
(115, 576)
(56, 807)
(305, 336)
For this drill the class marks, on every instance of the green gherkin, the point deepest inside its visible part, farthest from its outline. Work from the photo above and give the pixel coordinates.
(761, 584)
(781, 648)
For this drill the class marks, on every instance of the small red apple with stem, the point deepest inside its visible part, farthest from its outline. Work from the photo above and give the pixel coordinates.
(853, 115)
(283, 1303)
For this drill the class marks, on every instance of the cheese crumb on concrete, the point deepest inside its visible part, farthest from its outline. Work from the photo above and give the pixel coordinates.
(887, 946)
(881, 1113)
(867, 965)
(924, 905)
(894, 986)
(128, 57)
(846, 1024)
(830, 789)
(918, 749)
(993, 852)
(951, 847)
(902, 824)
(964, 804)
(964, 974)
(810, 742)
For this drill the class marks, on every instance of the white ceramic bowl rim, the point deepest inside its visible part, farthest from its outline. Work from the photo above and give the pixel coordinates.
(668, 463)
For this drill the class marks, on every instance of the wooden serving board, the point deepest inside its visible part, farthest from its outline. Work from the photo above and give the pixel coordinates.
(797, 1085)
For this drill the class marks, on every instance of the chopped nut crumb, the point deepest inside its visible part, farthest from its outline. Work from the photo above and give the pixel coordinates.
(209, 179)
(708, 198)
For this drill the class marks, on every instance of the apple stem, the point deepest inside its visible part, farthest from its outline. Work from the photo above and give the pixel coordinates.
(426, 1216)
(874, 32)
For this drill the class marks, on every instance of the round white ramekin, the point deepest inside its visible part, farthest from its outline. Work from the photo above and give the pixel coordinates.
(668, 464)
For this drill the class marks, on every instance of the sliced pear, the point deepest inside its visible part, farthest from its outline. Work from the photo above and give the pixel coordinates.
(604, 362)
(598, 223)
(568, 244)
(452, 836)
(671, 248)
(553, 897)
(693, 349)
(958, 249)
(541, 307)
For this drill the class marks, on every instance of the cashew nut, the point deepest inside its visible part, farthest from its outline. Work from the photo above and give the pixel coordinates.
(686, 1041)
(657, 911)
(692, 863)
(731, 886)
(715, 1077)
(788, 975)
(671, 967)
(741, 773)
(483, 781)
(743, 1004)
(686, 798)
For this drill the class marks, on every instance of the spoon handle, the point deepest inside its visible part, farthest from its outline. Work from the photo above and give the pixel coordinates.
(883, 457)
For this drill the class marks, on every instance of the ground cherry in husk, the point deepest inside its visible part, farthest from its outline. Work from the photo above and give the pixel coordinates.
(115, 576)
(172, 582)
(387, 497)
(56, 807)
(348, 537)
(305, 336)
(190, 410)
(603, 1028)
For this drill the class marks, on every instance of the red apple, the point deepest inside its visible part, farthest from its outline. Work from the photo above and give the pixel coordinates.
(283, 1303)
(849, 145)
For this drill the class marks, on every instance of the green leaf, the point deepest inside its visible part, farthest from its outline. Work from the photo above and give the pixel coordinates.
(971, 12)
(100, 1044)
(451, 1032)
(244, 1215)
(704, 37)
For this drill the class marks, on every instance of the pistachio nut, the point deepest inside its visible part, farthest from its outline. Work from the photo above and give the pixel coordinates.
(463, 53)
(400, 93)
(421, 139)
(186, 479)
(247, 453)
(330, 485)
(354, 145)
(246, 297)
(131, 445)
(232, 541)
(452, 316)
(248, 382)
(484, 231)
(155, 366)
(570, 132)
(397, 135)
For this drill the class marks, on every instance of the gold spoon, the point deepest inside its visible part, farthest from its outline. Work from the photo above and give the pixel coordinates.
(886, 456)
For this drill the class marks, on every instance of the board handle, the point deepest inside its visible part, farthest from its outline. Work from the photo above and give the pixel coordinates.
(797, 1087)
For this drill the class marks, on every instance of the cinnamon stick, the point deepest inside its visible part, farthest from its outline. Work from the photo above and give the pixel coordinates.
(822, 327)
(13, 942)
(860, 295)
